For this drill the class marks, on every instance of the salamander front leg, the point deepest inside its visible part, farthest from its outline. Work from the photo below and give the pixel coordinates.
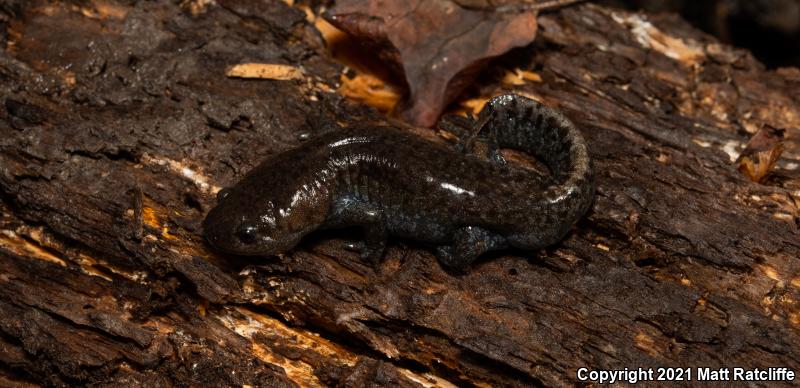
(348, 212)
(468, 244)
(374, 242)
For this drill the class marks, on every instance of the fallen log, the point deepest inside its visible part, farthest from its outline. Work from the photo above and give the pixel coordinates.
(118, 126)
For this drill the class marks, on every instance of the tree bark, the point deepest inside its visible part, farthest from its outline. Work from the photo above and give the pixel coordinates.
(118, 124)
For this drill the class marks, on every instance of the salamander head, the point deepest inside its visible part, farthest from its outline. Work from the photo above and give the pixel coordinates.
(251, 222)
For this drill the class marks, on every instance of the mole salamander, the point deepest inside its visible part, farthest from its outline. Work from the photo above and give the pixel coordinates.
(391, 182)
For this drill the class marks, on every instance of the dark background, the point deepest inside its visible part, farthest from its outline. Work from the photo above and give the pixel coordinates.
(768, 28)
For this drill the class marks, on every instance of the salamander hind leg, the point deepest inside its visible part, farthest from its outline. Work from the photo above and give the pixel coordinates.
(469, 131)
(348, 212)
(483, 129)
(461, 127)
(468, 244)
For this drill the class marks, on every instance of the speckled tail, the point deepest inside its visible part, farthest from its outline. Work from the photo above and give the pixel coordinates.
(521, 123)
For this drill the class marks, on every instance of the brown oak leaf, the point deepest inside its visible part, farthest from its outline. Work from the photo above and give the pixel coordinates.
(438, 46)
(761, 153)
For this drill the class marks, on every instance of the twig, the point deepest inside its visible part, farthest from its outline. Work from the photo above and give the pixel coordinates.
(536, 6)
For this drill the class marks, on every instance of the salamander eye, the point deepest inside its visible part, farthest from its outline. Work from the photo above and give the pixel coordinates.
(222, 194)
(247, 234)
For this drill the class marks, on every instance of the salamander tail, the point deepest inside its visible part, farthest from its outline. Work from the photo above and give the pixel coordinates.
(521, 123)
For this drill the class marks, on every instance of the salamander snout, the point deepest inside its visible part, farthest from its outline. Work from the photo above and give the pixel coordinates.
(228, 233)
(222, 194)
(234, 227)
(247, 234)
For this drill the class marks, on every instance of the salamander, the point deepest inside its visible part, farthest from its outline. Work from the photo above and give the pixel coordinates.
(389, 181)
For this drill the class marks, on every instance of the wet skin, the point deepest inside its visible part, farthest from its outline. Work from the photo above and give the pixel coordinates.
(391, 182)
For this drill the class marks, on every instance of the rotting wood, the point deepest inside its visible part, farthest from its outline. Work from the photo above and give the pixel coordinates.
(680, 262)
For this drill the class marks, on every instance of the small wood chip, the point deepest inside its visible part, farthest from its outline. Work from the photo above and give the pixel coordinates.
(370, 90)
(264, 71)
(518, 77)
(474, 105)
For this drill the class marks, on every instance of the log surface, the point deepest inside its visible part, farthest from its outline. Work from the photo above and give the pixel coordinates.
(118, 124)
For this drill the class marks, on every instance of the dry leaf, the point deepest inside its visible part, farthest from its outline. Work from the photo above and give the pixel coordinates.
(264, 71)
(761, 153)
(438, 46)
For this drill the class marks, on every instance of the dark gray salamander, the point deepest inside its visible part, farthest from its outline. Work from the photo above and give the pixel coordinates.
(391, 182)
